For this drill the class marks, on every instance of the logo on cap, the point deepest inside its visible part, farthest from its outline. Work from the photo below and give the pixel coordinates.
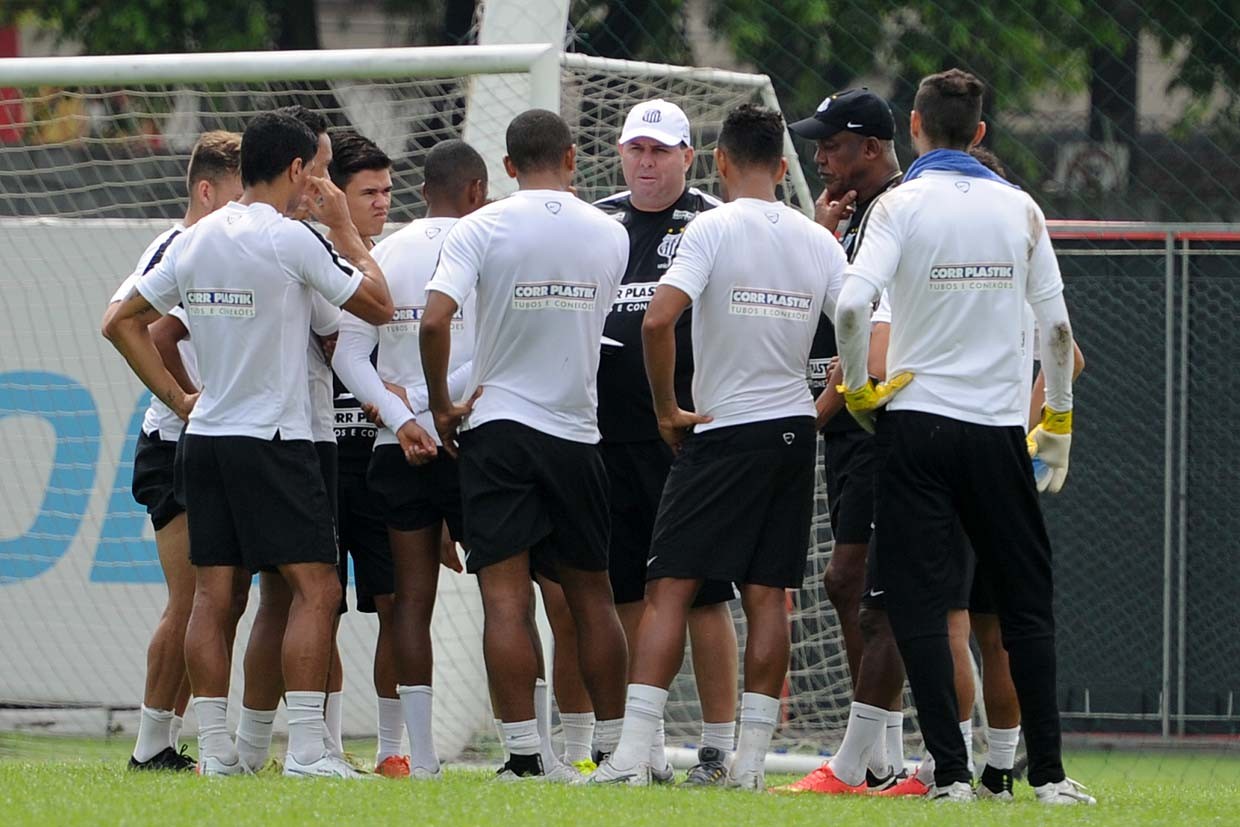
(652, 116)
(822, 107)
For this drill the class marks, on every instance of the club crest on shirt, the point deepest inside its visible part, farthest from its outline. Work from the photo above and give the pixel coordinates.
(408, 319)
(237, 304)
(667, 248)
(554, 295)
(773, 304)
(974, 276)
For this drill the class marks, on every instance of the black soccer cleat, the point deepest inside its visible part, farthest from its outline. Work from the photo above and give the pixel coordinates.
(711, 770)
(520, 766)
(995, 784)
(166, 760)
(874, 783)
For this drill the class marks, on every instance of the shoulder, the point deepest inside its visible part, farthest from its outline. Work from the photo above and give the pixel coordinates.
(159, 246)
(702, 200)
(614, 203)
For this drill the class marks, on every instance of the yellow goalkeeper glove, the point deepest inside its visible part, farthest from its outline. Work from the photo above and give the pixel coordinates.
(865, 400)
(1050, 442)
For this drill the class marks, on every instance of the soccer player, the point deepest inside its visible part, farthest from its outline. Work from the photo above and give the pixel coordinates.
(414, 484)
(739, 497)
(655, 154)
(245, 275)
(213, 179)
(544, 266)
(363, 172)
(960, 251)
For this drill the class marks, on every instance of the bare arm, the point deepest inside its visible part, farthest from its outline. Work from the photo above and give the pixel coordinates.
(659, 348)
(372, 302)
(435, 343)
(166, 333)
(126, 325)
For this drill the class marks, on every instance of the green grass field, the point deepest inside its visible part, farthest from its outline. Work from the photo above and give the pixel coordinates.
(36, 788)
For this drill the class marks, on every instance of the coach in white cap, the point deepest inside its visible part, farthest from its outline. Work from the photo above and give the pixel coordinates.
(655, 155)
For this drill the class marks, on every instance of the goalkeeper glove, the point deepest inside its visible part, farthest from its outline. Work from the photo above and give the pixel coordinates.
(865, 400)
(1050, 442)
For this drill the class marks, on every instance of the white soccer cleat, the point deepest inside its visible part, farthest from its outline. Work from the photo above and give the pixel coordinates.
(424, 774)
(562, 773)
(958, 792)
(753, 780)
(663, 777)
(608, 773)
(211, 767)
(1063, 792)
(984, 793)
(326, 766)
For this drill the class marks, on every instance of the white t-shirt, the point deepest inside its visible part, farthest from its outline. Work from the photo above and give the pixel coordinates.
(961, 258)
(408, 258)
(545, 266)
(159, 417)
(759, 274)
(324, 321)
(245, 275)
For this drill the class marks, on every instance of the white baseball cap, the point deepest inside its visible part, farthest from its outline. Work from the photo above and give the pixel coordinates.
(661, 120)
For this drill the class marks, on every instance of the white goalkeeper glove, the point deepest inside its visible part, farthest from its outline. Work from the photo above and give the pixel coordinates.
(1050, 441)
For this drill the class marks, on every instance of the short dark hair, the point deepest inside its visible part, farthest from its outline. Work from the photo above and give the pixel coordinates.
(315, 121)
(753, 135)
(216, 154)
(451, 166)
(270, 144)
(537, 140)
(950, 106)
(352, 153)
(989, 160)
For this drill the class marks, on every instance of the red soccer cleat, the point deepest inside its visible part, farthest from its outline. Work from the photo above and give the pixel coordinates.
(908, 787)
(394, 766)
(822, 781)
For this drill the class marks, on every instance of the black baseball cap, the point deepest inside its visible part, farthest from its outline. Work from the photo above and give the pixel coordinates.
(859, 111)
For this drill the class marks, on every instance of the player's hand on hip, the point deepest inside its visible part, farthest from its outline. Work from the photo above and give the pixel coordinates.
(1051, 440)
(677, 425)
(830, 213)
(418, 446)
(448, 421)
(865, 400)
(183, 408)
(327, 203)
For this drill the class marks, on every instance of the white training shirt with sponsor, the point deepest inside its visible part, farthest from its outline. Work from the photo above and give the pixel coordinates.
(159, 418)
(759, 274)
(961, 258)
(408, 258)
(324, 321)
(545, 266)
(245, 276)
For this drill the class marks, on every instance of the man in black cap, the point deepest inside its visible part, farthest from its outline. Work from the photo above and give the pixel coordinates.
(857, 161)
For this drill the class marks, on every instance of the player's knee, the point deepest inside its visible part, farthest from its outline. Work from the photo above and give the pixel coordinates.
(843, 586)
(876, 627)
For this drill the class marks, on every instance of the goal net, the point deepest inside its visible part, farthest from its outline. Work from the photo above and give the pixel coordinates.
(92, 159)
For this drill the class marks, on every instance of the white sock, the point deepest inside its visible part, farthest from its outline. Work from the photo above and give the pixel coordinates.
(658, 751)
(521, 737)
(721, 736)
(174, 731)
(607, 735)
(416, 706)
(333, 714)
(213, 737)
(154, 733)
(499, 731)
(759, 713)
(307, 732)
(895, 741)
(877, 761)
(925, 773)
(643, 711)
(966, 729)
(578, 735)
(254, 736)
(542, 714)
(391, 726)
(1002, 755)
(865, 723)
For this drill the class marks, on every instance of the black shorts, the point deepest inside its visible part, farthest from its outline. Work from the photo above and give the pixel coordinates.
(153, 479)
(849, 466)
(363, 536)
(737, 505)
(961, 581)
(637, 472)
(254, 503)
(412, 497)
(522, 489)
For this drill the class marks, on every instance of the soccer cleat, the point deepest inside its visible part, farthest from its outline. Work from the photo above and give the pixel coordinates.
(823, 781)
(585, 766)
(326, 766)
(957, 792)
(394, 766)
(424, 774)
(211, 767)
(995, 784)
(166, 760)
(910, 786)
(753, 780)
(875, 784)
(1063, 792)
(607, 773)
(520, 768)
(711, 770)
(663, 777)
(564, 773)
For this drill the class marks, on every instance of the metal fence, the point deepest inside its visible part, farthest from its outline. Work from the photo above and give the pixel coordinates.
(1147, 533)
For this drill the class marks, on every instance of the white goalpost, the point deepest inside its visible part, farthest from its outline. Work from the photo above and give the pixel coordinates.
(90, 170)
